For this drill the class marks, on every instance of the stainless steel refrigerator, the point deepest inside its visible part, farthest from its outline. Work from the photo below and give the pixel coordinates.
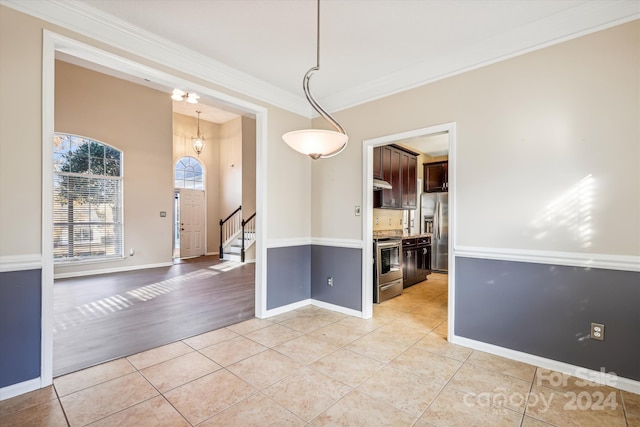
(435, 220)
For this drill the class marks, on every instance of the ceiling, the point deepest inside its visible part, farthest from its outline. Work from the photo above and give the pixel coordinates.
(368, 48)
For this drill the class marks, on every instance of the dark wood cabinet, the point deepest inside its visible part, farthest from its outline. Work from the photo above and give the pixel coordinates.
(377, 163)
(416, 260)
(399, 168)
(409, 181)
(436, 177)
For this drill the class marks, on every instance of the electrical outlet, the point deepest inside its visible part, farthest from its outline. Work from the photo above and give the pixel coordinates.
(597, 331)
(330, 281)
(377, 221)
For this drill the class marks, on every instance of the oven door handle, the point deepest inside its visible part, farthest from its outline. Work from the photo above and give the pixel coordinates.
(384, 288)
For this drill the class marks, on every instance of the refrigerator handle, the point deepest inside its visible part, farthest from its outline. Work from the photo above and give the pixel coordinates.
(439, 220)
(436, 221)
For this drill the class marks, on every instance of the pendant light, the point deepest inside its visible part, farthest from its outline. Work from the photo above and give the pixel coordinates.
(317, 143)
(198, 141)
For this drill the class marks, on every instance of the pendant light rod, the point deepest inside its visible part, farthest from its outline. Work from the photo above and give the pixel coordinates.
(309, 96)
(317, 143)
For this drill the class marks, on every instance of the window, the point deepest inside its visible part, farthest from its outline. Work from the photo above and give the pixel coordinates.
(189, 174)
(87, 199)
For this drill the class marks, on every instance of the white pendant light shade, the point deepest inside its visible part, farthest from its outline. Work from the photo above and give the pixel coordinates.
(315, 143)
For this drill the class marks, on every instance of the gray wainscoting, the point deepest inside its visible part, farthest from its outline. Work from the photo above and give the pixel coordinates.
(20, 326)
(547, 310)
(344, 265)
(288, 275)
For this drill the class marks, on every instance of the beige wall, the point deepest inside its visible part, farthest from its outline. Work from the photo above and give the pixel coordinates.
(248, 166)
(20, 134)
(539, 136)
(185, 127)
(230, 166)
(288, 211)
(137, 121)
(288, 181)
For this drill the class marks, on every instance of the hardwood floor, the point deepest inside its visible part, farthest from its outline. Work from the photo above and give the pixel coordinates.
(103, 317)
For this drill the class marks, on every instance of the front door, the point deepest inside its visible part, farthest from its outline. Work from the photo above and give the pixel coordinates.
(191, 223)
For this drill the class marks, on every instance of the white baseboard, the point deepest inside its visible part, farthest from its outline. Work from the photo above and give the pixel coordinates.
(337, 308)
(286, 308)
(20, 388)
(310, 301)
(599, 377)
(110, 270)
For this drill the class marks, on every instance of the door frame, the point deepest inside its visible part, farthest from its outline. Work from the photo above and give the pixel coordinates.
(53, 42)
(367, 214)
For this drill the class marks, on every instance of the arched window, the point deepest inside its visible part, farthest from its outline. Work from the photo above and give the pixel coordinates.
(87, 199)
(189, 174)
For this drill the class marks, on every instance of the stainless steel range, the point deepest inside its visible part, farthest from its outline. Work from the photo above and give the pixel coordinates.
(387, 269)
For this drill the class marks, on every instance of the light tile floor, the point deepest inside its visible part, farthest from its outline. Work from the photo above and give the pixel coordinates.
(315, 367)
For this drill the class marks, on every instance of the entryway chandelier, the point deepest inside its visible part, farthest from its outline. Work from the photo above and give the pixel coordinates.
(317, 143)
(179, 95)
(198, 141)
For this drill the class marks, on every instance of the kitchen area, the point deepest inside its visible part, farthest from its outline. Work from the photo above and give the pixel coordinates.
(410, 215)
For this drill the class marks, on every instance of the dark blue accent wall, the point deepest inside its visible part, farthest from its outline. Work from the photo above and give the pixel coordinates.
(547, 310)
(20, 326)
(288, 275)
(344, 265)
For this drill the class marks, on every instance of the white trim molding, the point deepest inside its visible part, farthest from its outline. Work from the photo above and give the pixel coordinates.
(577, 21)
(21, 388)
(283, 243)
(88, 21)
(110, 270)
(20, 262)
(286, 308)
(309, 301)
(336, 308)
(599, 377)
(319, 241)
(338, 243)
(571, 259)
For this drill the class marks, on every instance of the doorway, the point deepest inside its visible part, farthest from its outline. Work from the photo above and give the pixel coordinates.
(55, 44)
(189, 225)
(367, 218)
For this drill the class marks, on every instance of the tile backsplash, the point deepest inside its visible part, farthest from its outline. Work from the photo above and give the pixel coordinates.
(387, 219)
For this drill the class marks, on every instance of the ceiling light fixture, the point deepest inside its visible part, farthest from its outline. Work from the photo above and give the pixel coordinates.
(317, 143)
(179, 95)
(198, 141)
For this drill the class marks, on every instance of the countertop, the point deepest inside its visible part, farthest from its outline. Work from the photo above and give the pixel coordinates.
(399, 234)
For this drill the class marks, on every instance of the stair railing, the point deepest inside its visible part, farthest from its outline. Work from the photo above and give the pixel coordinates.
(248, 227)
(229, 227)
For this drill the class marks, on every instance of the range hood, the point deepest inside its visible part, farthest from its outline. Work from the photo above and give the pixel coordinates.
(379, 184)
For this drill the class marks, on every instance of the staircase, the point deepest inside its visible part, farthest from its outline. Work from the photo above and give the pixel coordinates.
(236, 236)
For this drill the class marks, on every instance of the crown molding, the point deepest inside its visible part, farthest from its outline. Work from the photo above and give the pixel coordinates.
(82, 19)
(586, 18)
